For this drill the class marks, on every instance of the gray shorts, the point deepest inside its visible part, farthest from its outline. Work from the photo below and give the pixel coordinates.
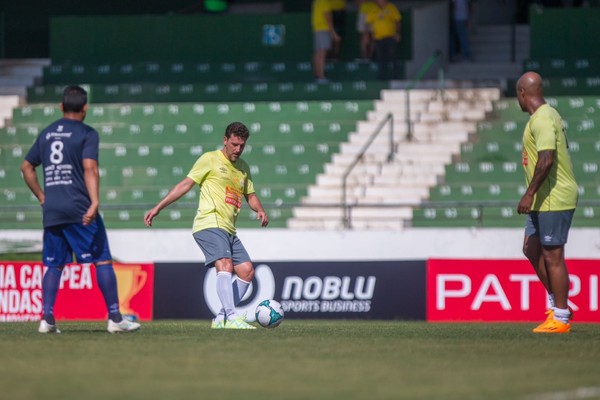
(217, 243)
(322, 40)
(552, 227)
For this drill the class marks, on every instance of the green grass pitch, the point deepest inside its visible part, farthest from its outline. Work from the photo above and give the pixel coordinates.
(301, 359)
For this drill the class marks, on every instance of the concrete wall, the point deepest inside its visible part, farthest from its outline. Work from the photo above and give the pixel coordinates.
(264, 245)
(430, 34)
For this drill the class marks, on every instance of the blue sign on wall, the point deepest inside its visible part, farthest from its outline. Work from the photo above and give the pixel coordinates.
(273, 35)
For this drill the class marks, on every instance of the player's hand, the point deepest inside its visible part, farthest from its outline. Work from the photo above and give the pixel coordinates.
(90, 215)
(149, 216)
(524, 206)
(263, 218)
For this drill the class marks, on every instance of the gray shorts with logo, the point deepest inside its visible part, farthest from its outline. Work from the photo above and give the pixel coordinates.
(217, 243)
(552, 227)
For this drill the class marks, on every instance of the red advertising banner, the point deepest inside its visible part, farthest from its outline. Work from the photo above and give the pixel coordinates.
(504, 290)
(79, 297)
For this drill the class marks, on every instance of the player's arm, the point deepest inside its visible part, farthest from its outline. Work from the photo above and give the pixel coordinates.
(256, 206)
(31, 179)
(174, 194)
(541, 172)
(92, 184)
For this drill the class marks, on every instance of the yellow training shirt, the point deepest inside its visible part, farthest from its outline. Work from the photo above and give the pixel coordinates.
(337, 5)
(545, 131)
(222, 188)
(384, 20)
(319, 9)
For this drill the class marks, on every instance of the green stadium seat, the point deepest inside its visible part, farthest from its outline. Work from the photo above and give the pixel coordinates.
(558, 67)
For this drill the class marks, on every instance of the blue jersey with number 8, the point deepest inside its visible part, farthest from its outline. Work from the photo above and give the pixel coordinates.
(60, 149)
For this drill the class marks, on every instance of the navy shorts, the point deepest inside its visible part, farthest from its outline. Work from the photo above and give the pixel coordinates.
(217, 243)
(552, 227)
(88, 242)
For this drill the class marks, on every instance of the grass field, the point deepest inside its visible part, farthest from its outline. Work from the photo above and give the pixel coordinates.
(301, 359)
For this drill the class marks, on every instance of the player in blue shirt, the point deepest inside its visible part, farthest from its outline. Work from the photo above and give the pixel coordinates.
(68, 152)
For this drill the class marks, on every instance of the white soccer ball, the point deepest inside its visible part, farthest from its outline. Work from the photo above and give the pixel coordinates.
(269, 313)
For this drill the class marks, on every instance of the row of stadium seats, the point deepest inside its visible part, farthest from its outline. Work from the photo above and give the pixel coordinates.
(565, 86)
(574, 106)
(177, 72)
(214, 92)
(202, 113)
(179, 215)
(561, 67)
(505, 150)
(464, 215)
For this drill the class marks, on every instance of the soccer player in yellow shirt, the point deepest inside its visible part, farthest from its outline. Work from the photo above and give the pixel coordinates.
(224, 179)
(549, 201)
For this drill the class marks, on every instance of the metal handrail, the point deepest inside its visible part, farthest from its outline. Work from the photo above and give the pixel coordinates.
(389, 118)
(436, 56)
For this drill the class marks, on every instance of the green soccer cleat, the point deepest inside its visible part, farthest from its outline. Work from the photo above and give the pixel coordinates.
(220, 324)
(238, 323)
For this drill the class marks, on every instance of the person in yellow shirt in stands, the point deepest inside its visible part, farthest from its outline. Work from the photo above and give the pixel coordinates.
(224, 180)
(324, 36)
(385, 22)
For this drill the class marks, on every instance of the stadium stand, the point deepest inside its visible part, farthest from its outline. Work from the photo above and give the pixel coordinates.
(148, 147)
(454, 160)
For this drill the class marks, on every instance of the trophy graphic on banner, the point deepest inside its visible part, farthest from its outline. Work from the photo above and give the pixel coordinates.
(130, 280)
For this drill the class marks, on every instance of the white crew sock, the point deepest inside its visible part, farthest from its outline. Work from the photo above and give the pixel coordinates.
(561, 315)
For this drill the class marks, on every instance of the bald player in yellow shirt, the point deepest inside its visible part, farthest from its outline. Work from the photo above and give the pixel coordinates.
(549, 201)
(224, 179)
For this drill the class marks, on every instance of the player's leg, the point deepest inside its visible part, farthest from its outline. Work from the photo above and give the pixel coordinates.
(554, 229)
(533, 251)
(558, 276)
(56, 253)
(242, 266)
(217, 246)
(90, 244)
(532, 248)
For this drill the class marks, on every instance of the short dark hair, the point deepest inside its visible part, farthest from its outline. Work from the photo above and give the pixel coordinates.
(74, 98)
(237, 129)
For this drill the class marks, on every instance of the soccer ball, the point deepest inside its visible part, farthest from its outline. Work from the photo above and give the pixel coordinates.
(269, 313)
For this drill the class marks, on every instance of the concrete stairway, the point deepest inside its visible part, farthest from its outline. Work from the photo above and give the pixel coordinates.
(491, 47)
(15, 77)
(382, 192)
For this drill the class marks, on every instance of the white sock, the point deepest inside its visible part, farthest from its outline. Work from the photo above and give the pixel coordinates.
(561, 315)
(225, 293)
(239, 287)
(551, 300)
